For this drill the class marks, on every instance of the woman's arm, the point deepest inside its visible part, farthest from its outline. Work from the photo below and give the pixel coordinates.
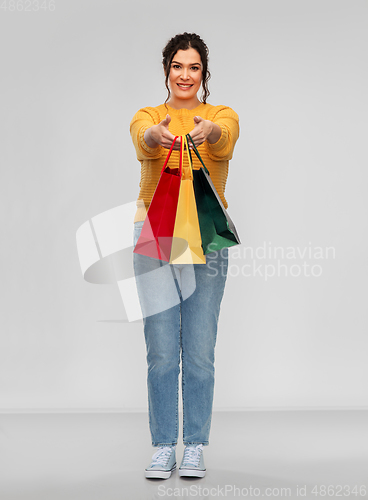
(205, 130)
(159, 135)
(142, 121)
(218, 134)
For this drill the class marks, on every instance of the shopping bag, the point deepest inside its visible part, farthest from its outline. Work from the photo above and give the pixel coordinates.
(217, 229)
(187, 243)
(157, 231)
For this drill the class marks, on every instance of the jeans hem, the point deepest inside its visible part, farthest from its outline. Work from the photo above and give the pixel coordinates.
(164, 444)
(205, 443)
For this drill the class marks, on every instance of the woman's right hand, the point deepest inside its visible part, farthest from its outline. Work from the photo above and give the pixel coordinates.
(159, 135)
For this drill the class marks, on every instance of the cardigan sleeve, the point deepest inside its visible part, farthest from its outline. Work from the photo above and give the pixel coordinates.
(142, 120)
(228, 121)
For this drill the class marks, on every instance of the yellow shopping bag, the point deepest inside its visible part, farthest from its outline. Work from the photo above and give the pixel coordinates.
(187, 242)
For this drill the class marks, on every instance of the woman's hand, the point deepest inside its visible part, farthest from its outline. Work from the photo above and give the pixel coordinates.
(159, 135)
(205, 130)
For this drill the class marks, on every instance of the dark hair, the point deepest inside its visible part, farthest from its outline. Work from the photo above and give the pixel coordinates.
(186, 41)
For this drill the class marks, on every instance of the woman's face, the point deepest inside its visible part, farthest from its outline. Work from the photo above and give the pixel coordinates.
(185, 75)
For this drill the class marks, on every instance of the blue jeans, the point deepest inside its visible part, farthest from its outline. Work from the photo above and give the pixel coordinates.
(180, 305)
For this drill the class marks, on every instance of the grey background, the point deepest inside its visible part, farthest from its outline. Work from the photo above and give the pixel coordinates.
(71, 80)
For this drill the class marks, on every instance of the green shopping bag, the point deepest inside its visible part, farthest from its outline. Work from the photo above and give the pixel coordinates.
(217, 229)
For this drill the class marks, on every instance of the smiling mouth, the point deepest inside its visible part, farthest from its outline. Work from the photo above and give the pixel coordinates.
(184, 86)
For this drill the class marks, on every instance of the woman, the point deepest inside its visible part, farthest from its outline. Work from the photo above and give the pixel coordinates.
(179, 319)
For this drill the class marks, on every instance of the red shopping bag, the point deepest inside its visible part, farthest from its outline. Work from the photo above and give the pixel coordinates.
(156, 236)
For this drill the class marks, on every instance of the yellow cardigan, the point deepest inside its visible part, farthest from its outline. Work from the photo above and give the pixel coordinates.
(215, 156)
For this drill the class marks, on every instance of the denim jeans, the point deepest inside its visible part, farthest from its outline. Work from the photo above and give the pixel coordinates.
(180, 305)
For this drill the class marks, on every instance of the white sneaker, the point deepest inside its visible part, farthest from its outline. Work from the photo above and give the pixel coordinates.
(193, 462)
(163, 463)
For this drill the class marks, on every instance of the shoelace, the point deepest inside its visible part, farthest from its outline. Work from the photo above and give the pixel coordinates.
(192, 455)
(162, 455)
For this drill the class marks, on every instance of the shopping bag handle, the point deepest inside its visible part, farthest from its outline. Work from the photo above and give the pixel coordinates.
(199, 156)
(181, 156)
(169, 154)
(190, 161)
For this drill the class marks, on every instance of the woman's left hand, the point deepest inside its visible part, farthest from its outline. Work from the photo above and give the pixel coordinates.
(205, 130)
